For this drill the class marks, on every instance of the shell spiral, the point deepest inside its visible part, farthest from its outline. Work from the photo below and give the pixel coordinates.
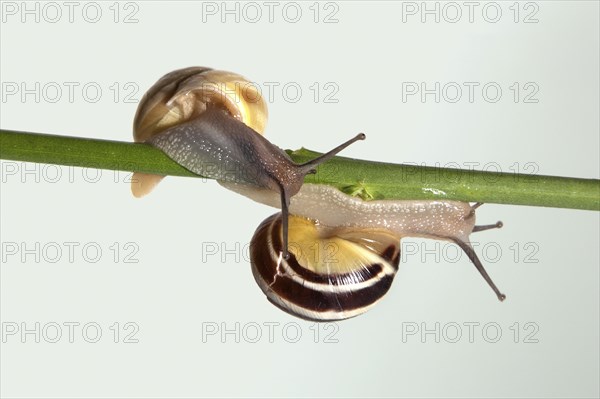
(185, 93)
(331, 274)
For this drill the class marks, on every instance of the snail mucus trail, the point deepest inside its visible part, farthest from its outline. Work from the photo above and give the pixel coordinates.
(211, 122)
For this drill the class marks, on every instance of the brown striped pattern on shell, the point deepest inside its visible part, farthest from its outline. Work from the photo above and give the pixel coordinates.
(334, 286)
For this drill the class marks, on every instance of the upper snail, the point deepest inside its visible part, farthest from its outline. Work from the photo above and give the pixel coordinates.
(328, 255)
(186, 93)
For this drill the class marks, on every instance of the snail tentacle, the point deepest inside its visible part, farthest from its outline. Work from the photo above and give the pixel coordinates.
(468, 249)
(497, 225)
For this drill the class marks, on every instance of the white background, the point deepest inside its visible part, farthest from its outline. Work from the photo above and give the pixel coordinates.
(172, 295)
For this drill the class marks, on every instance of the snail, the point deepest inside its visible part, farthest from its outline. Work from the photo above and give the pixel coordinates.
(345, 251)
(184, 94)
(327, 255)
(200, 127)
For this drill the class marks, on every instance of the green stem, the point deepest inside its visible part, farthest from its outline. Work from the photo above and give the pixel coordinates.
(369, 180)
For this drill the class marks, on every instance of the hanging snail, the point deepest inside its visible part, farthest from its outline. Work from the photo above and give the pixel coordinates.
(327, 255)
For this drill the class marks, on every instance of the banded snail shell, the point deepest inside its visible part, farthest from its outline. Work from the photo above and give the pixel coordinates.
(331, 273)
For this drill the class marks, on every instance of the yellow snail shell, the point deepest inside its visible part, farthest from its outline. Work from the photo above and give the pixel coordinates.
(184, 94)
(332, 273)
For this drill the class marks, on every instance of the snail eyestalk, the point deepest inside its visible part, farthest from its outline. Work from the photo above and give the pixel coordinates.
(310, 165)
(307, 168)
(497, 225)
(479, 266)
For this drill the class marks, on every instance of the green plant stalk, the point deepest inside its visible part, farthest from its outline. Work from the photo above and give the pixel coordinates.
(367, 179)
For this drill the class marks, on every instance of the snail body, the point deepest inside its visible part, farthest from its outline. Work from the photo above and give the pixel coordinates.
(217, 146)
(211, 122)
(405, 218)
